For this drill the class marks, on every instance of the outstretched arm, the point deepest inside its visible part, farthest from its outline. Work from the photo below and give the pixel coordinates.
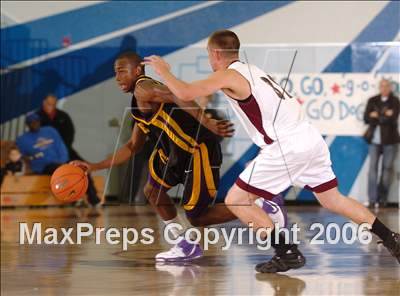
(224, 79)
(190, 91)
(151, 91)
(133, 146)
(223, 128)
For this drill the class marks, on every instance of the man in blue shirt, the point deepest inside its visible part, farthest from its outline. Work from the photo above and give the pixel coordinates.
(46, 150)
(43, 145)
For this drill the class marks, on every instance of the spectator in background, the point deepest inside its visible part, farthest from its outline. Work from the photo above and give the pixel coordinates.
(381, 114)
(15, 164)
(42, 145)
(61, 121)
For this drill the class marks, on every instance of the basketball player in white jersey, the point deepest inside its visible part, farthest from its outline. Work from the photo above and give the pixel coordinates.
(292, 150)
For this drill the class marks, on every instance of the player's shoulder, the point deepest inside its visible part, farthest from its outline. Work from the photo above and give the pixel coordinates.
(144, 88)
(145, 82)
(227, 74)
(246, 69)
(144, 79)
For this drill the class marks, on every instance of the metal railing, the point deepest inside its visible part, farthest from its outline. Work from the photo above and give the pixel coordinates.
(23, 89)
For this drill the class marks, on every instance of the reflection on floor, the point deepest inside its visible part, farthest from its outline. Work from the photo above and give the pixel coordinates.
(104, 269)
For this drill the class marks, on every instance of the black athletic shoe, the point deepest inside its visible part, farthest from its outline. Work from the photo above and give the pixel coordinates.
(393, 245)
(292, 259)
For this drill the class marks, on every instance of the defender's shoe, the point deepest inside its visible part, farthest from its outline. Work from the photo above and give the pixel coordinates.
(393, 245)
(291, 259)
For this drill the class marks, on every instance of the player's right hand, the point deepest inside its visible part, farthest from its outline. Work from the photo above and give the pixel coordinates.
(87, 167)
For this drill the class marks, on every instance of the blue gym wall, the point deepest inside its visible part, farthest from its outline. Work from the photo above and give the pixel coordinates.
(82, 72)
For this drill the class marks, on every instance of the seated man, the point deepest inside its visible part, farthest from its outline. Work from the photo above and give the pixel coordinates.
(45, 149)
(43, 146)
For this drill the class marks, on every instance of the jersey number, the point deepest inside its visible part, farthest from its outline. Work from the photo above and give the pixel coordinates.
(276, 87)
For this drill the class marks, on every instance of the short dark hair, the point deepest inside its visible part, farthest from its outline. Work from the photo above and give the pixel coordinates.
(50, 95)
(132, 57)
(13, 148)
(226, 40)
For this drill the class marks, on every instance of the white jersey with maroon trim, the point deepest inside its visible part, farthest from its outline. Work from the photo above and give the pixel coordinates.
(257, 113)
(292, 151)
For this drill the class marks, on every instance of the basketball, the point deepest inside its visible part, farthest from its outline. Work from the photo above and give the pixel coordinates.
(68, 183)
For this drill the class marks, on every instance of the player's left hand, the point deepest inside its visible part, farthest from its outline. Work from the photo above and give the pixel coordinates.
(158, 64)
(223, 128)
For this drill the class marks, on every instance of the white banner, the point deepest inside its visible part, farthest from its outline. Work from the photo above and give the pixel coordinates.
(335, 103)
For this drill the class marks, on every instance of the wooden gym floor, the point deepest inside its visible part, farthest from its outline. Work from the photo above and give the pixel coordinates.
(104, 269)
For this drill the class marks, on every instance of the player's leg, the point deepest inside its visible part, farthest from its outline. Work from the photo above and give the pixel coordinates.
(161, 179)
(158, 183)
(334, 201)
(193, 204)
(200, 181)
(264, 177)
(215, 214)
(355, 211)
(165, 208)
(220, 213)
(319, 177)
(160, 200)
(243, 204)
(205, 211)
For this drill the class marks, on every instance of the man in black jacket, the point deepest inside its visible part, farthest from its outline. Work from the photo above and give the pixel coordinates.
(381, 114)
(61, 121)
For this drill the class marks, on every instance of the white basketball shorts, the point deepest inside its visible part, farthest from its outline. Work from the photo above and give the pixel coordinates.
(301, 159)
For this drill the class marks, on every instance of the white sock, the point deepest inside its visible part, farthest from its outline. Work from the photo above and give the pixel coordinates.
(178, 233)
(259, 202)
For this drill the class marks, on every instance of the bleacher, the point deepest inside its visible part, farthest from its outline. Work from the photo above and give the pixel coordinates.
(32, 190)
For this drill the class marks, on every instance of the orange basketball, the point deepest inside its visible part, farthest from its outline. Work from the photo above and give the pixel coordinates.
(68, 183)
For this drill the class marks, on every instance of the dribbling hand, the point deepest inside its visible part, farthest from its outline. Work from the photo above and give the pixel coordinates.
(87, 167)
